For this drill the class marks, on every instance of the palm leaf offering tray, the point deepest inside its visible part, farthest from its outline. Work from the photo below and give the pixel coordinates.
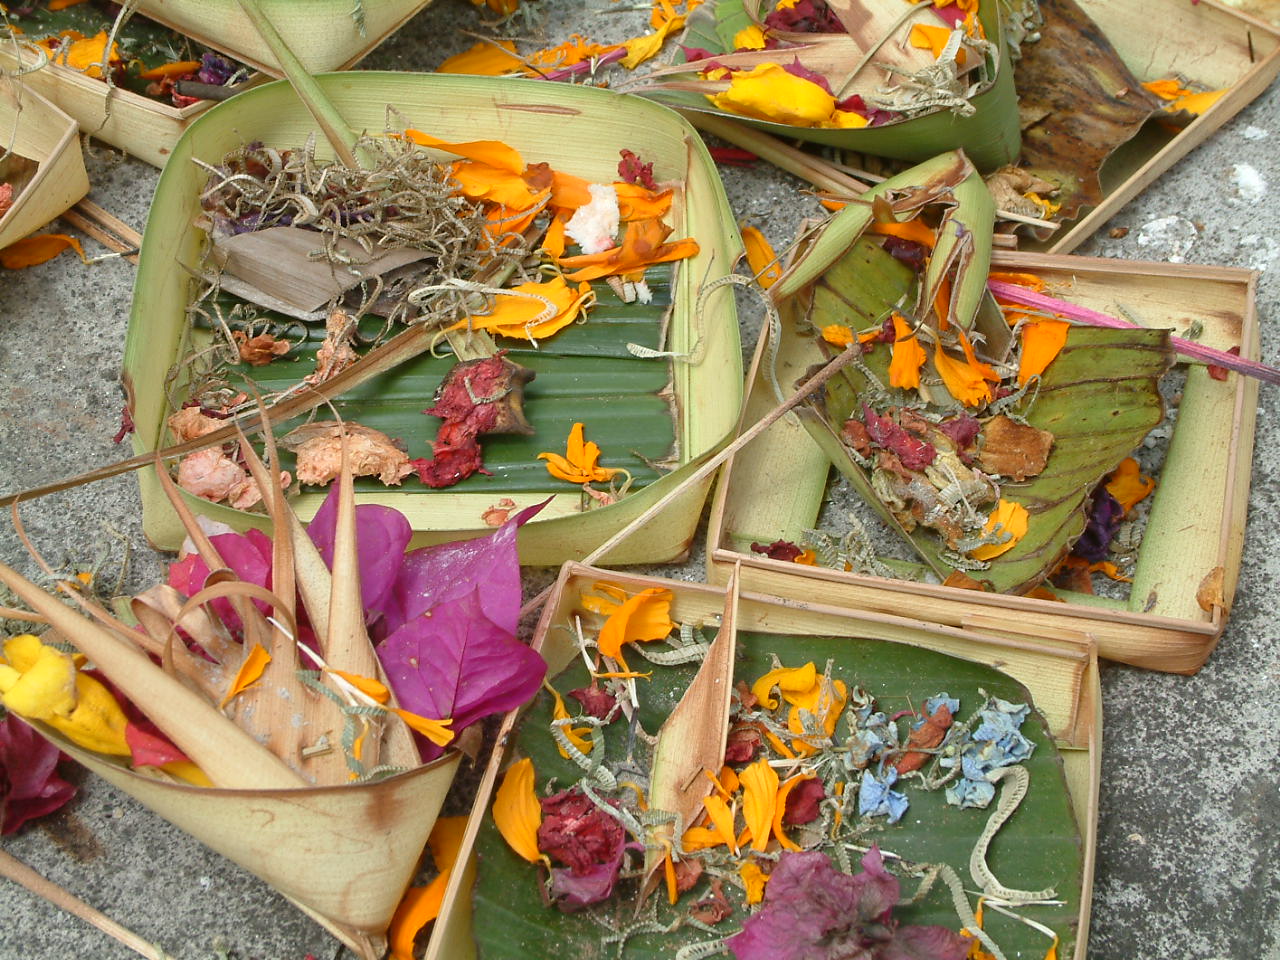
(760, 778)
(323, 34)
(974, 388)
(468, 279)
(126, 80)
(42, 173)
(1065, 144)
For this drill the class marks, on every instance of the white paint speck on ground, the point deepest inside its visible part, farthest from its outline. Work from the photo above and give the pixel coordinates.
(1259, 251)
(1250, 185)
(1170, 238)
(1255, 133)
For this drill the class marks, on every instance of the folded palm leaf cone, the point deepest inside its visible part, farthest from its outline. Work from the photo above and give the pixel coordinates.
(978, 430)
(271, 765)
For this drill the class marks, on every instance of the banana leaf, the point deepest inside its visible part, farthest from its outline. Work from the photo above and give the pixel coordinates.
(990, 137)
(1038, 847)
(1098, 399)
(584, 373)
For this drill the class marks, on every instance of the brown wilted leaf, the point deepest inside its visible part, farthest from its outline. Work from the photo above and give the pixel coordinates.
(962, 581)
(260, 350)
(1013, 450)
(1210, 592)
(926, 736)
(372, 453)
(1078, 103)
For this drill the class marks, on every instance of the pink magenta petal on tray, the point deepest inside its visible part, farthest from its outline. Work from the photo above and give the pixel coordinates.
(248, 555)
(382, 534)
(29, 783)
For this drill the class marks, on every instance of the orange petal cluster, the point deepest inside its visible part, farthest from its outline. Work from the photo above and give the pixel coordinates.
(581, 461)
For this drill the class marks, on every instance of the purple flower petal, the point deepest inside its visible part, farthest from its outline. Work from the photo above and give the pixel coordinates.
(453, 661)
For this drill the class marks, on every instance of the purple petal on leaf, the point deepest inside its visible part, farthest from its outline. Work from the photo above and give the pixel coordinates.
(29, 783)
(925, 943)
(574, 891)
(453, 661)
(381, 537)
(488, 566)
(1104, 520)
(879, 888)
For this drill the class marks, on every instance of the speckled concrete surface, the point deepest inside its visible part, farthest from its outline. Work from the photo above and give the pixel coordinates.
(1189, 847)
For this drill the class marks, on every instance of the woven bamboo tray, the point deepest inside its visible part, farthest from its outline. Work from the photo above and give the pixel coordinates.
(539, 120)
(1058, 667)
(1205, 41)
(138, 125)
(773, 487)
(323, 34)
(38, 131)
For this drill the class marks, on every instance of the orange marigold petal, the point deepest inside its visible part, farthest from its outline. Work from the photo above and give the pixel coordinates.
(437, 731)
(764, 261)
(781, 808)
(908, 356)
(1042, 341)
(759, 798)
(516, 810)
(644, 617)
(1128, 484)
(255, 662)
(485, 59)
(37, 249)
(754, 880)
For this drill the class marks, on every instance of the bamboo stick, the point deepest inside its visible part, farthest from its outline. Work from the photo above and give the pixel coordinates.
(17, 871)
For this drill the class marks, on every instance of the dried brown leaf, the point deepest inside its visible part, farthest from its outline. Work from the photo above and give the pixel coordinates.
(1013, 450)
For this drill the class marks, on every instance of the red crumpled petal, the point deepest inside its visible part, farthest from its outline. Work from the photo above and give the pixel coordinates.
(29, 783)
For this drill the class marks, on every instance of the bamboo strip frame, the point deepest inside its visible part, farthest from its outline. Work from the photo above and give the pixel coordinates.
(1061, 670)
(1175, 635)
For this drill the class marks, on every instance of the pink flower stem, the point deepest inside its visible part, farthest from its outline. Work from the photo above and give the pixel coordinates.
(1188, 348)
(583, 66)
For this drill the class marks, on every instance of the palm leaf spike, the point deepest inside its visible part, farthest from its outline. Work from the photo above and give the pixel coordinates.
(347, 645)
(228, 755)
(280, 695)
(692, 740)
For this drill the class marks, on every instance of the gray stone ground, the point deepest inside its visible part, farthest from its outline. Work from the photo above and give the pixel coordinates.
(1189, 849)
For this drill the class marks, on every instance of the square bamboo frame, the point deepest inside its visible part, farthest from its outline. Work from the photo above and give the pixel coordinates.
(1059, 668)
(145, 128)
(773, 487)
(538, 119)
(36, 129)
(1205, 41)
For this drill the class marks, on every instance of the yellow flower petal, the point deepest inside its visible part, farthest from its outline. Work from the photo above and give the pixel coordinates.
(45, 689)
(640, 49)
(768, 92)
(516, 810)
(788, 680)
(1013, 518)
(722, 819)
(522, 312)
(749, 38)
(576, 735)
(781, 808)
